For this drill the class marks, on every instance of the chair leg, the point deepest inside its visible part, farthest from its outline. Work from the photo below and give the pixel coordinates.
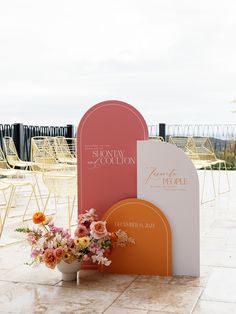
(46, 203)
(69, 214)
(36, 199)
(219, 178)
(27, 206)
(227, 177)
(72, 209)
(38, 188)
(213, 181)
(203, 184)
(30, 198)
(8, 206)
(213, 185)
(56, 202)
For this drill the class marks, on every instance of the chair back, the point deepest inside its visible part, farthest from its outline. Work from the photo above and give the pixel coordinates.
(43, 153)
(60, 185)
(65, 149)
(204, 149)
(186, 144)
(10, 150)
(41, 149)
(3, 161)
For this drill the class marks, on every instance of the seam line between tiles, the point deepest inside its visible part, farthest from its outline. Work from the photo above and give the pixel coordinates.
(198, 299)
(120, 294)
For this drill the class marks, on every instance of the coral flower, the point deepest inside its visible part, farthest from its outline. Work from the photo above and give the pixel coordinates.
(81, 231)
(38, 217)
(98, 229)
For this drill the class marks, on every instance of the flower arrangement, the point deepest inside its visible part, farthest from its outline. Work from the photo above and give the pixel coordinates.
(92, 241)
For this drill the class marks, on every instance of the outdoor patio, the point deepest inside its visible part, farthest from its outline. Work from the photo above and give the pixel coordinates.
(25, 289)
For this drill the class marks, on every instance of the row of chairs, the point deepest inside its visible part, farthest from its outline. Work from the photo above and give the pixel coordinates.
(201, 152)
(53, 159)
(46, 153)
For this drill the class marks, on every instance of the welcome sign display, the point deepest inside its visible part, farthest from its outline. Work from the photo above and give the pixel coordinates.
(107, 165)
(116, 164)
(168, 179)
(148, 226)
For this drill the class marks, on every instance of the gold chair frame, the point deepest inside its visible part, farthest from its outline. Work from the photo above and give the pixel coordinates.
(201, 153)
(12, 155)
(43, 154)
(65, 150)
(61, 184)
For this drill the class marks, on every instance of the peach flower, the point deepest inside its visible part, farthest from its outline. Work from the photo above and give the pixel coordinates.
(49, 258)
(98, 229)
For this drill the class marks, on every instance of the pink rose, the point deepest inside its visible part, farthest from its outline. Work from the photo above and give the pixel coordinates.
(81, 231)
(98, 229)
(58, 253)
(49, 258)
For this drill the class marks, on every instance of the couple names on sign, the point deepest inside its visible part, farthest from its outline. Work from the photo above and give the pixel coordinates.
(105, 156)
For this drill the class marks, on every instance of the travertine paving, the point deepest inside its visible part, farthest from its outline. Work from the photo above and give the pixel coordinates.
(25, 289)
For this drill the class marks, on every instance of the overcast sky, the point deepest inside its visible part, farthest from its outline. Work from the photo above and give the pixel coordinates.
(174, 60)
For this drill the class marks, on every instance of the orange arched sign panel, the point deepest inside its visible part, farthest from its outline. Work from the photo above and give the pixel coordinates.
(151, 254)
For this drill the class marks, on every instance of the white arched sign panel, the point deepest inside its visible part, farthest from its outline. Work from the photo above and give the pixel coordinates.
(168, 179)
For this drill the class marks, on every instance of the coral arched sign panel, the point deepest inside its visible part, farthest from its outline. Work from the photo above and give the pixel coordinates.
(107, 169)
(151, 254)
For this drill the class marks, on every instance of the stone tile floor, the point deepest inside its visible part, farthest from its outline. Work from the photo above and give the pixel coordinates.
(25, 289)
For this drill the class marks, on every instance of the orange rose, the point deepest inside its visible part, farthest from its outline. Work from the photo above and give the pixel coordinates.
(98, 229)
(49, 258)
(38, 217)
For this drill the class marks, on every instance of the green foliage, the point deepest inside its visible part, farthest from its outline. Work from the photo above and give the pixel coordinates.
(24, 230)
